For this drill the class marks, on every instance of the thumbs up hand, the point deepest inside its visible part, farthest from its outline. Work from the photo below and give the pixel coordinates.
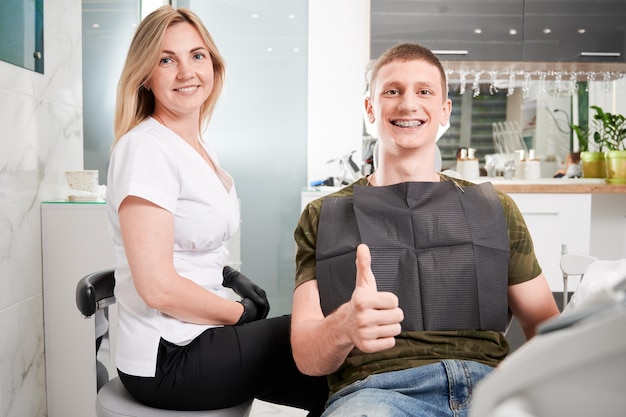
(375, 316)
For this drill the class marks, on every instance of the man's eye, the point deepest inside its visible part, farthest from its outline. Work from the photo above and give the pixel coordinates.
(392, 92)
(425, 92)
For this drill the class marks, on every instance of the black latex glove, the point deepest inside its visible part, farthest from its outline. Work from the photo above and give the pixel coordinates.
(250, 312)
(247, 289)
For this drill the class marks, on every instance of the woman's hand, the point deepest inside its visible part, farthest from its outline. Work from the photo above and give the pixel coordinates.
(247, 289)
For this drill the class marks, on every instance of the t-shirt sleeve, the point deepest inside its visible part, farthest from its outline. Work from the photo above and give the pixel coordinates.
(523, 264)
(306, 239)
(142, 166)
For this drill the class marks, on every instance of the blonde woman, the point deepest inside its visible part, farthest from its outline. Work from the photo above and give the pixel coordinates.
(183, 343)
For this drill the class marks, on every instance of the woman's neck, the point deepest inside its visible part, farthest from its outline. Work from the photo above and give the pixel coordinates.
(185, 128)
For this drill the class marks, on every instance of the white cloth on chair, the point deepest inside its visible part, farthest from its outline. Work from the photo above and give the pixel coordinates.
(575, 365)
(600, 285)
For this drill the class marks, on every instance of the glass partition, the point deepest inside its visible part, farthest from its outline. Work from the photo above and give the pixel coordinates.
(107, 30)
(259, 128)
(21, 33)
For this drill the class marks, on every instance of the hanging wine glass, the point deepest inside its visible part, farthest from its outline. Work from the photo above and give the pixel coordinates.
(511, 88)
(476, 84)
(493, 79)
(526, 85)
(591, 76)
(462, 75)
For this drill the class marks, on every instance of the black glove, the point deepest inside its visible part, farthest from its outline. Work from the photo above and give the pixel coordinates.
(249, 312)
(247, 289)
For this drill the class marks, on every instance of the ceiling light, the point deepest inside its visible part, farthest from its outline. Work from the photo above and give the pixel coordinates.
(582, 30)
(547, 31)
(296, 49)
(95, 25)
(269, 49)
(478, 31)
(255, 16)
(292, 16)
(512, 31)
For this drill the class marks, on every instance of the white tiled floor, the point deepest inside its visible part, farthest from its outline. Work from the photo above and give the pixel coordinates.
(264, 409)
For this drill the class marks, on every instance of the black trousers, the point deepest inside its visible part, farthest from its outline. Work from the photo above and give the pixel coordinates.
(225, 366)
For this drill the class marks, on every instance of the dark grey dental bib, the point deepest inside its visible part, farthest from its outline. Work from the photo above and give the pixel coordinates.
(443, 250)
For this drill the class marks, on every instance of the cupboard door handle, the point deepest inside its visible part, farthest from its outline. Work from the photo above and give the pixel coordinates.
(616, 54)
(450, 52)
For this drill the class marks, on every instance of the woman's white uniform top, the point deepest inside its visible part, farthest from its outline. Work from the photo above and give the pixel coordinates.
(154, 163)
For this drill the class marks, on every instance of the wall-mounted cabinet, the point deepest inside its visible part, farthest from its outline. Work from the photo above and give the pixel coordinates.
(575, 31)
(514, 30)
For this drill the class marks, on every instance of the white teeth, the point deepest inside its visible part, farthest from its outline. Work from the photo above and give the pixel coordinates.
(187, 89)
(407, 123)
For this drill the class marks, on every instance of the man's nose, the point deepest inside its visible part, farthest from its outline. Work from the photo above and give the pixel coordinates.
(409, 102)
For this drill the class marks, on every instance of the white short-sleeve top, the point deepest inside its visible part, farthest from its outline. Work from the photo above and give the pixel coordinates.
(154, 163)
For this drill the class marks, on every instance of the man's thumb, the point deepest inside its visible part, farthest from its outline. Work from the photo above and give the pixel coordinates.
(364, 275)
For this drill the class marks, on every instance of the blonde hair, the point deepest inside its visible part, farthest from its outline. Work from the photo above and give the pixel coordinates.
(406, 52)
(134, 102)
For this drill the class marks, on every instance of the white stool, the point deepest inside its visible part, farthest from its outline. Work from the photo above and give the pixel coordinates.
(115, 401)
(95, 292)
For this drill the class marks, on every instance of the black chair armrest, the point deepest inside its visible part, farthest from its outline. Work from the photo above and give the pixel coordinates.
(95, 291)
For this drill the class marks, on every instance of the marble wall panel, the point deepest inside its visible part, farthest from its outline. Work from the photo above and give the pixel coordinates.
(22, 381)
(41, 136)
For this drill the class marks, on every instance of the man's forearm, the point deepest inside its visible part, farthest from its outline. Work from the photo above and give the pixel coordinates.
(319, 347)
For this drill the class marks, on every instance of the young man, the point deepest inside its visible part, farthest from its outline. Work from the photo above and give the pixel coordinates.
(440, 264)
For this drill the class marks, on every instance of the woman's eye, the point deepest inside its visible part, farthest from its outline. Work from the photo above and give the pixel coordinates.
(198, 56)
(165, 60)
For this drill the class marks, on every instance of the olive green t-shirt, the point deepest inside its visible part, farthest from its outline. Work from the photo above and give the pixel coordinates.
(418, 348)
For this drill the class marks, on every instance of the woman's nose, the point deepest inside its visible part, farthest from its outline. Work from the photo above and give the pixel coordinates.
(184, 72)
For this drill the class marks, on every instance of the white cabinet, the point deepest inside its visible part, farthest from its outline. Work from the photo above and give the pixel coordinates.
(75, 242)
(594, 224)
(553, 220)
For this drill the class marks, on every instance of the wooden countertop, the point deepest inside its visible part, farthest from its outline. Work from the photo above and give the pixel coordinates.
(541, 186)
(553, 187)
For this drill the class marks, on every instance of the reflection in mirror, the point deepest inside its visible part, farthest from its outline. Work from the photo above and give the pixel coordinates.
(107, 28)
(534, 105)
(21, 33)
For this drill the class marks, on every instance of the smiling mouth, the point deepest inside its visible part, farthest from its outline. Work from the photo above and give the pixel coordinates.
(187, 89)
(407, 123)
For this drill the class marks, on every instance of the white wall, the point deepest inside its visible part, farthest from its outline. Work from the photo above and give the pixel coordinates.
(338, 56)
(41, 121)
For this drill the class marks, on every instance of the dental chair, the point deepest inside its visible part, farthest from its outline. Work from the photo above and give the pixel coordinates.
(576, 364)
(94, 292)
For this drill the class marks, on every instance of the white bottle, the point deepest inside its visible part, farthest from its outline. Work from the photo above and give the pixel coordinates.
(470, 168)
(520, 165)
(460, 163)
(532, 167)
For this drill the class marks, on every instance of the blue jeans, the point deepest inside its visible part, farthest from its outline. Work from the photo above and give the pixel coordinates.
(436, 390)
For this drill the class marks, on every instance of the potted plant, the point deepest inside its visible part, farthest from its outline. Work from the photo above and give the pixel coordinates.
(593, 162)
(610, 133)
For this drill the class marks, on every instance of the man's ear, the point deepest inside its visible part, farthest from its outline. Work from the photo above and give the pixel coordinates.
(369, 110)
(447, 110)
